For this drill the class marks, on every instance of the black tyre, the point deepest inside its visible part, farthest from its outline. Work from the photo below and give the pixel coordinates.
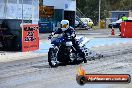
(52, 57)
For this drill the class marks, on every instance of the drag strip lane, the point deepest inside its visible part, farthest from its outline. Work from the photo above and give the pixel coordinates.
(40, 75)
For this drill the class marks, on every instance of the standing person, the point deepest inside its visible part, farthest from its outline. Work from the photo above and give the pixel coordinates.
(124, 18)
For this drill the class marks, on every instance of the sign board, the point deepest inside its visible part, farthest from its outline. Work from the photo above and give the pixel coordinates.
(30, 37)
(46, 11)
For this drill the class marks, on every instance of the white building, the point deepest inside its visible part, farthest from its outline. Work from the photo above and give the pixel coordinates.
(18, 9)
(64, 9)
(69, 5)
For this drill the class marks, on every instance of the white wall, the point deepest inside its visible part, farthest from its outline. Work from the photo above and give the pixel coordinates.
(61, 4)
(71, 5)
(2, 12)
(14, 10)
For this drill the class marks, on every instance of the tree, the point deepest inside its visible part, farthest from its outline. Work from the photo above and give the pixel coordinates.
(91, 7)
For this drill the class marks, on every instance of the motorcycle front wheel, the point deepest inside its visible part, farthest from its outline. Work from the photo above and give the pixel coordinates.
(52, 57)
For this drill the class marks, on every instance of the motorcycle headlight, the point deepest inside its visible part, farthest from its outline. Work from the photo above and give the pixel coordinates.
(69, 43)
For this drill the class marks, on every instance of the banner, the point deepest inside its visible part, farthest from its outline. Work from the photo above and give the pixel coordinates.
(46, 11)
(30, 37)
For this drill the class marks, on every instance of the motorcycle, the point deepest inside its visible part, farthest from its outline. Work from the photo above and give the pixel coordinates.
(62, 50)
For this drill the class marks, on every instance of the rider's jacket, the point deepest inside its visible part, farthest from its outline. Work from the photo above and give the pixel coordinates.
(69, 31)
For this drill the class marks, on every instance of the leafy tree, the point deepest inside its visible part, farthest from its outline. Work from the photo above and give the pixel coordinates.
(91, 7)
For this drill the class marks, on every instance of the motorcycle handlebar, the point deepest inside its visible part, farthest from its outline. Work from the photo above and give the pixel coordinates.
(50, 36)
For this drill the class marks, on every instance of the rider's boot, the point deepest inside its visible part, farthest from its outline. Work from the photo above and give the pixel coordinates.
(84, 58)
(85, 61)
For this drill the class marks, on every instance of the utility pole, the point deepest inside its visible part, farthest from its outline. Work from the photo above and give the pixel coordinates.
(99, 12)
(32, 11)
(22, 13)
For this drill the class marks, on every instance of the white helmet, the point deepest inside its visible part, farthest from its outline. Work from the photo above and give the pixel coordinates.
(64, 25)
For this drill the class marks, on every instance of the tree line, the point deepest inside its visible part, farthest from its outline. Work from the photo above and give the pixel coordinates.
(90, 8)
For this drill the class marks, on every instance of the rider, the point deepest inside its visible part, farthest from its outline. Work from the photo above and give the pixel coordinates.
(65, 28)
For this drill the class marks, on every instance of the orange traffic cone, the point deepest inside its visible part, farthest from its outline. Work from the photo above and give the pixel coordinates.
(112, 31)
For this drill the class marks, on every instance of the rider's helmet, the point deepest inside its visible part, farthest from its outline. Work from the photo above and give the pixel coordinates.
(64, 25)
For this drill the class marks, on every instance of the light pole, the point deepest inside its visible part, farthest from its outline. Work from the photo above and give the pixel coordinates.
(99, 12)
(22, 12)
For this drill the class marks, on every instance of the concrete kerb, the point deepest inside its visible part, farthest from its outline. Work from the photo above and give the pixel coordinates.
(10, 56)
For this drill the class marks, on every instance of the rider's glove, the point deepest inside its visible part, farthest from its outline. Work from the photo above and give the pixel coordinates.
(52, 33)
(50, 36)
(73, 35)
